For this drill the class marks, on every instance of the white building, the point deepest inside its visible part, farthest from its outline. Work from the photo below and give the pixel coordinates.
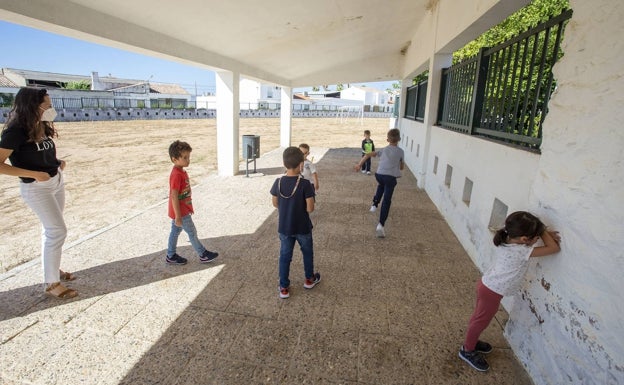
(366, 95)
(104, 88)
(256, 95)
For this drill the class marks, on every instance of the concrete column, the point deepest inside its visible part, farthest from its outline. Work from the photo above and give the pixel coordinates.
(436, 64)
(228, 109)
(286, 117)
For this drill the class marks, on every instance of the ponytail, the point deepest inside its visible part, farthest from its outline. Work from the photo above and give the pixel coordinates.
(500, 237)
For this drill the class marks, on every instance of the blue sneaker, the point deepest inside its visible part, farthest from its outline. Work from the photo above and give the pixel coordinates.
(208, 256)
(175, 259)
(474, 359)
(312, 281)
(483, 347)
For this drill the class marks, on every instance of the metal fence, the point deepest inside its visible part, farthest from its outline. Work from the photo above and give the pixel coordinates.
(183, 104)
(503, 92)
(415, 101)
(82, 103)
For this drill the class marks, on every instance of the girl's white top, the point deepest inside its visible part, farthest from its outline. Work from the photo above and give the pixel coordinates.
(505, 277)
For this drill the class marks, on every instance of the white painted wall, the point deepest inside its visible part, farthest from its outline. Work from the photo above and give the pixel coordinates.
(579, 186)
(567, 324)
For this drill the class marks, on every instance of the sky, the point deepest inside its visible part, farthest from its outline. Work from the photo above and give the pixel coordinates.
(31, 49)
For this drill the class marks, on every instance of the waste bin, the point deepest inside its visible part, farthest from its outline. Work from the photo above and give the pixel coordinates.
(251, 151)
(251, 147)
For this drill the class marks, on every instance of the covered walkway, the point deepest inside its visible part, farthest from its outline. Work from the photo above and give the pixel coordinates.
(388, 311)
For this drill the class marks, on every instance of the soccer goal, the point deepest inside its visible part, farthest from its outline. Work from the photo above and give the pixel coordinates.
(345, 112)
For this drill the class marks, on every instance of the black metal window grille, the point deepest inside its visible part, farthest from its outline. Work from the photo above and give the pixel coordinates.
(415, 101)
(503, 92)
(410, 102)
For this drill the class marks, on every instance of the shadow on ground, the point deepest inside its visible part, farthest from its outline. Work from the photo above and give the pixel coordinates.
(387, 311)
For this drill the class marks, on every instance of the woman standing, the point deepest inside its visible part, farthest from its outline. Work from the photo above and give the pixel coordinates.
(26, 141)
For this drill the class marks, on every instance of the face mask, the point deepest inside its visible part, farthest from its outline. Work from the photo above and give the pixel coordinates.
(48, 115)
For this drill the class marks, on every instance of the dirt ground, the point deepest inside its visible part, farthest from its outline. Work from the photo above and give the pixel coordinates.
(117, 169)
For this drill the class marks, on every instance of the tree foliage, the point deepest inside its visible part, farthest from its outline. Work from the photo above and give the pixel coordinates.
(6, 99)
(80, 85)
(396, 88)
(525, 18)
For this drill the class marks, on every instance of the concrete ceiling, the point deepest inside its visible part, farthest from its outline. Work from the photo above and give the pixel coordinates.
(291, 43)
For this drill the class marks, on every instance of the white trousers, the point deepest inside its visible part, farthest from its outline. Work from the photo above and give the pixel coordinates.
(47, 200)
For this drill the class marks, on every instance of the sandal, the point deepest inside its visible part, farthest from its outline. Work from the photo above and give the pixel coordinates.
(66, 276)
(57, 290)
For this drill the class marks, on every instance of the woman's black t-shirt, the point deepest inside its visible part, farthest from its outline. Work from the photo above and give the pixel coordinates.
(39, 156)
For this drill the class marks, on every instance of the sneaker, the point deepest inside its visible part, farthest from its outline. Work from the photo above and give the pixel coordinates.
(208, 256)
(363, 171)
(381, 233)
(373, 209)
(311, 282)
(175, 259)
(283, 292)
(474, 359)
(483, 347)
(368, 173)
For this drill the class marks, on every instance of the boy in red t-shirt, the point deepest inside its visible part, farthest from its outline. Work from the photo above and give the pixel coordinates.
(181, 206)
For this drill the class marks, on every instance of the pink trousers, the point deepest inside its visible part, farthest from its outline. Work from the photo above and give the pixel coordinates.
(485, 310)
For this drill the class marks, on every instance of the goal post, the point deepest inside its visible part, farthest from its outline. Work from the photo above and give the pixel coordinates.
(344, 112)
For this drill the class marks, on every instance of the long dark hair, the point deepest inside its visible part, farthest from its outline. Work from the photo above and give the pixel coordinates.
(519, 224)
(25, 113)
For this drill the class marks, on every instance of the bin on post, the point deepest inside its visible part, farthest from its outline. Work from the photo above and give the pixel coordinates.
(251, 151)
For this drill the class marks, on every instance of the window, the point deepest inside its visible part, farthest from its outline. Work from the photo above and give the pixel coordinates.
(498, 215)
(467, 192)
(448, 175)
(415, 101)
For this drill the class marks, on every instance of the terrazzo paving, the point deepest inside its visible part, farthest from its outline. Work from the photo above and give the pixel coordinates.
(387, 311)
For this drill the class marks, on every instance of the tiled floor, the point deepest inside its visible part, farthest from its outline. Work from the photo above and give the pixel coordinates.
(388, 311)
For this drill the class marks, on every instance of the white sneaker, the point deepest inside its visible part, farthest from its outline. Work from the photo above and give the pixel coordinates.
(363, 171)
(367, 172)
(373, 209)
(381, 233)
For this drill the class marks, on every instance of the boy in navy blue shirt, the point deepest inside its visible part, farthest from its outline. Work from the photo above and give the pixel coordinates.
(293, 196)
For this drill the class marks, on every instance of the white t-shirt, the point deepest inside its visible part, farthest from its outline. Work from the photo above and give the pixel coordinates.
(308, 169)
(506, 275)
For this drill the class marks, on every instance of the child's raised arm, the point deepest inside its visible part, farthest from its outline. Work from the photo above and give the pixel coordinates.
(551, 244)
(364, 158)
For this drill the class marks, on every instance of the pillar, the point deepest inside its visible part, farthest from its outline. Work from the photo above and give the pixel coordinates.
(436, 64)
(228, 110)
(286, 117)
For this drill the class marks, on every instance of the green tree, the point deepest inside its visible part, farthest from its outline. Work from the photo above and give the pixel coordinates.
(79, 85)
(339, 87)
(396, 86)
(6, 99)
(525, 18)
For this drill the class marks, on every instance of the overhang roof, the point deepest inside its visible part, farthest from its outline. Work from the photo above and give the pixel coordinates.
(290, 43)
